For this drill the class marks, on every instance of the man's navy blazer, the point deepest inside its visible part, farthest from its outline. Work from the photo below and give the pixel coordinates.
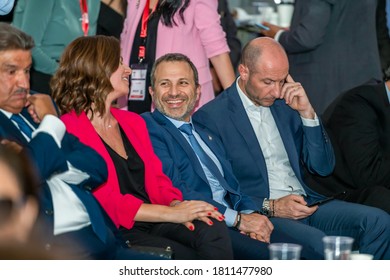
(181, 164)
(306, 146)
(49, 159)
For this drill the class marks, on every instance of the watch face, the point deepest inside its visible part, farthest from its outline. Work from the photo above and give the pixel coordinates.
(266, 208)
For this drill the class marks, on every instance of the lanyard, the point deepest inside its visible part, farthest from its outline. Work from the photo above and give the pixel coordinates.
(84, 16)
(144, 31)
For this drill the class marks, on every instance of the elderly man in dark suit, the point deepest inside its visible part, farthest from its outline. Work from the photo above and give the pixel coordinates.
(331, 46)
(78, 227)
(358, 123)
(271, 133)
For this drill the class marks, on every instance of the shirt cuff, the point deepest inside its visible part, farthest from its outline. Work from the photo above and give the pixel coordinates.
(53, 126)
(310, 122)
(230, 217)
(277, 35)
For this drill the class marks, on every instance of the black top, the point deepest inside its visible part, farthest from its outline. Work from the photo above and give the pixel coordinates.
(151, 40)
(110, 23)
(130, 171)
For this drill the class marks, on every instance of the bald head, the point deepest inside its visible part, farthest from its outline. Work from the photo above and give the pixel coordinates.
(263, 50)
(263, 71)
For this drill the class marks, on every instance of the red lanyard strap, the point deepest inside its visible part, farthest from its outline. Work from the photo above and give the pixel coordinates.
(144, 32)
(84, 16)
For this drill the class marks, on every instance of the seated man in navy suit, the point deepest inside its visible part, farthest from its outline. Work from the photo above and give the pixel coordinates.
(195, 160)
(271, 133)
(77, 224)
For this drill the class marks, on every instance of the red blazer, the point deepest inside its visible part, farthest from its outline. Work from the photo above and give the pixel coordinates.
(122, 208)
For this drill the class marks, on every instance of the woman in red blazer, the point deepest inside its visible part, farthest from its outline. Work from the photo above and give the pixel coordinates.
(138, 196)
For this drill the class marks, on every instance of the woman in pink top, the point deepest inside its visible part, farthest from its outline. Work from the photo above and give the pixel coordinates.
(190, 27)
(138, 196)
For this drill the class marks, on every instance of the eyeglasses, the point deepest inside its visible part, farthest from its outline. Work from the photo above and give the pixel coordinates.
(7, 205)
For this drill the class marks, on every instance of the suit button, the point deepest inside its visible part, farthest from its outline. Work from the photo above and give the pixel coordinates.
(88, 188)
(49, 212)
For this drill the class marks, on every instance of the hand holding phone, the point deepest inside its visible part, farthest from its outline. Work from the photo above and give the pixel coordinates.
(322, 201)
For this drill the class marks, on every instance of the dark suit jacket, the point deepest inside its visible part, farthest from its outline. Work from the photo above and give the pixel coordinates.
(226, 117)
(181, 164)
(332, 47)
(49, 160)
(358, 123)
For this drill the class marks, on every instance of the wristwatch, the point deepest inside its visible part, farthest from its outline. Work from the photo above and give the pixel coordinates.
(266, 209)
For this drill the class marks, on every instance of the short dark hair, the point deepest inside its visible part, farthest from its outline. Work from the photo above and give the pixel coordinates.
(173, 57)
(12, 38)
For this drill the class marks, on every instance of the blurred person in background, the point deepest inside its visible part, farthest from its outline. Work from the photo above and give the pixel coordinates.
(53, 24)
(111, 17)
(331, 47)
(383, 35)
(234, 43)
(358, 123)
(18, 194)
(153, 28)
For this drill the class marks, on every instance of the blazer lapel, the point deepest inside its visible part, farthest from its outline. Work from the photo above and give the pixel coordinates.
(10, 131)
(240, 120)
(285, 133)
(210, 142)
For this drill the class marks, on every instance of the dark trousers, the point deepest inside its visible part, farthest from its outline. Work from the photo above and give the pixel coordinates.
(246, 248)
(205, 242)
(376, 196)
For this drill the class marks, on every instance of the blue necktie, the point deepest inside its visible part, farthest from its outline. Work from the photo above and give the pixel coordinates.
(23, 126)
(205, 159)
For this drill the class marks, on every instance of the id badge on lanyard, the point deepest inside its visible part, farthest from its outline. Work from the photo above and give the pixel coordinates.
(138, 90)
(138, 82)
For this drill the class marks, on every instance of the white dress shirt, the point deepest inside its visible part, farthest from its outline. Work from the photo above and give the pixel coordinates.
(70, 213)
(281, 177)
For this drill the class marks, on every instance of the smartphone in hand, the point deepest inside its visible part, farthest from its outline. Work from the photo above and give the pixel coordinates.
(318, 202)
(325, 200)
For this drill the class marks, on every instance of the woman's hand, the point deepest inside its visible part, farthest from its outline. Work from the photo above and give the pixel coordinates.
(187, 211)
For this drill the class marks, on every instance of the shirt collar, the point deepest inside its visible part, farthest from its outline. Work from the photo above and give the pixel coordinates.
(178, 123)
(387, 91)
(248, 104)
(8, 114)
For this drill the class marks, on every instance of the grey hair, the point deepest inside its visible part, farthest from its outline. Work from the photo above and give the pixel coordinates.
(12, 38)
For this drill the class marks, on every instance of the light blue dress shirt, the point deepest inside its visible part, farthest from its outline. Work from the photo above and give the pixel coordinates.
(6, 6)
(217, 190)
